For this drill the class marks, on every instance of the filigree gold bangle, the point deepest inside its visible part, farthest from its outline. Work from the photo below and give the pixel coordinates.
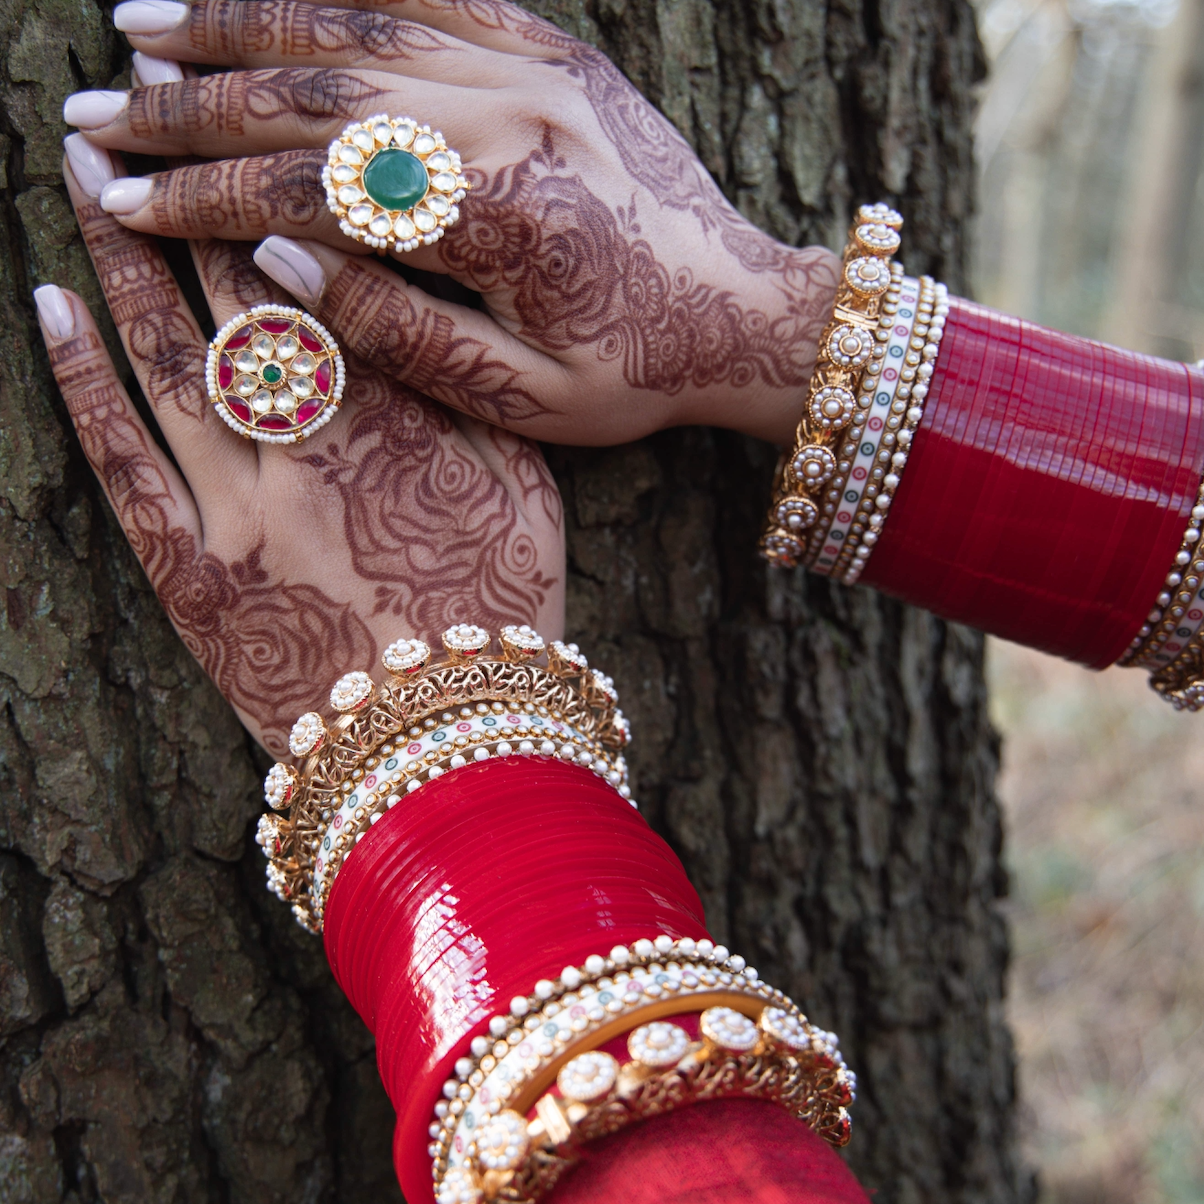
(699, 1025)
(390, 739)
(810, 479)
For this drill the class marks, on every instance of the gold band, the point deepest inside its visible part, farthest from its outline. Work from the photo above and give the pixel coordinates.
(810, 479)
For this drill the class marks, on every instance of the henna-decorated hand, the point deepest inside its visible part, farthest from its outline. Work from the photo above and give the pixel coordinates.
(284, 567)
(622, 292)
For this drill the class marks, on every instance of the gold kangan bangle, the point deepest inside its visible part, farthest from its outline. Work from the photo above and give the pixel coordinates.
(389, 740)
(646, 1029)
(810, 480)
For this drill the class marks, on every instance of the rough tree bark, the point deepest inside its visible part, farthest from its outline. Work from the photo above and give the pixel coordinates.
(821, 759)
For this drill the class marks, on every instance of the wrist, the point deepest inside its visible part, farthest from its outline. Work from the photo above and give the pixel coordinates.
(778, 317)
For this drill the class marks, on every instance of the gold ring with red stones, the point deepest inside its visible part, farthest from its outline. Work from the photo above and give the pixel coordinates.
(274, 374)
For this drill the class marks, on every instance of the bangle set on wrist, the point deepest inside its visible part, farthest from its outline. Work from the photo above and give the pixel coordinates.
(649, 1028)
(865, 399)
(389, 740)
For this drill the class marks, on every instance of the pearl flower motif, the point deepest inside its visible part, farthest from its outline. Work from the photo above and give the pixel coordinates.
(308, 733)
(502, 1141)
(850, 346)
(566, 659)
(658, 1044)
(813, 467)
(351, 691)
(796, 513)
(459, 1186)
(729, 1029)
(463, 641)
(878, 236)
(832, 408)
(879, 214)
(588, 1077)
(404, 658)
(279, 785)
(783, 549)
(605, 686)
(785, 1029)
(521, 643)
(867, 276)
(622, 726)
(267, 833)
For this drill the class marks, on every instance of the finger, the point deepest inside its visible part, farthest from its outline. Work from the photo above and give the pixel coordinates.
(147, 70)
(493, 24)
(458, 356)
(242, 113)
(161, 337)
(282, 33)
(151, 500)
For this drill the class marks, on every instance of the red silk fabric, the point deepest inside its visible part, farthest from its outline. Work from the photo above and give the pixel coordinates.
(1048, 486)
(735, 1151)
(485, 881)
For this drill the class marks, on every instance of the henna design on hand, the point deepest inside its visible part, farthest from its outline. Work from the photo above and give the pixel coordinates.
(393, 334)
(233, 197)
(267, 644)
(234, 29)
(145, 301)
(434, 527)
(220, 104)
(575, 278)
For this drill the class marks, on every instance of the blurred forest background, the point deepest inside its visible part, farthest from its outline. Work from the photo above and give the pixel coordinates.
(1090, 140)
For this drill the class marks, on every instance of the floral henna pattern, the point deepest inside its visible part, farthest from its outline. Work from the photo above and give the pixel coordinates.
(267, 644)
(240, 197)
(237, 28)
(393, 334)
(219, 105)
(433, 526)
(575, 277)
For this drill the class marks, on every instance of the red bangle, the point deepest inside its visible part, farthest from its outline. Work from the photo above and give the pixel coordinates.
(502, 874)
(1047, 488)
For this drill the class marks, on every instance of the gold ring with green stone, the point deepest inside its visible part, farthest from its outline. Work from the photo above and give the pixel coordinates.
(393, 184)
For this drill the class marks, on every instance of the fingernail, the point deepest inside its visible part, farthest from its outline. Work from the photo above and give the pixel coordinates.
(292, 267)
(91, 110)
(126, 196)
(149, 16)
(156, 71)
(90, 165)
(55, 311)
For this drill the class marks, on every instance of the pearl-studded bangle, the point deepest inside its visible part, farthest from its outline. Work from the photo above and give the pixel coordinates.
(518, 1109)
(1179, 608)
(907, 411)
(475, 734)
(426, 706)
(811, 480)
(862, 447)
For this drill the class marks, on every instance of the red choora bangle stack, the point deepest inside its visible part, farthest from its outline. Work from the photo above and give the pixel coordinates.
(529, 955)
(1052, 493)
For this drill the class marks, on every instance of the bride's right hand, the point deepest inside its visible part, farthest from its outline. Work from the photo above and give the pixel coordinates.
(621, 292)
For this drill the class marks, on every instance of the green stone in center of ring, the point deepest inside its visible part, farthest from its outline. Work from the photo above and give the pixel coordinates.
(395, 179)
(272, 374)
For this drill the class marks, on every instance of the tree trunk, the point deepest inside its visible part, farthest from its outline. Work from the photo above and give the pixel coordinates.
(820, 758)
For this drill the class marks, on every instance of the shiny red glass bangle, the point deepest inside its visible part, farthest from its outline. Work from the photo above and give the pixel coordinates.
(499, 875)
(1048, 486)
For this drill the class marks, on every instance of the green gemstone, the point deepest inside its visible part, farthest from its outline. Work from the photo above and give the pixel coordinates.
(395, 179)
(272, 374)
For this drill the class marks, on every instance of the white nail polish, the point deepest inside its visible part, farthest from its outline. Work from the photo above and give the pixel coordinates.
(91, 110)
(292, 267)
(55, 311)
(156, 71)
(126, 196)
(149, 17)
(90, 165)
